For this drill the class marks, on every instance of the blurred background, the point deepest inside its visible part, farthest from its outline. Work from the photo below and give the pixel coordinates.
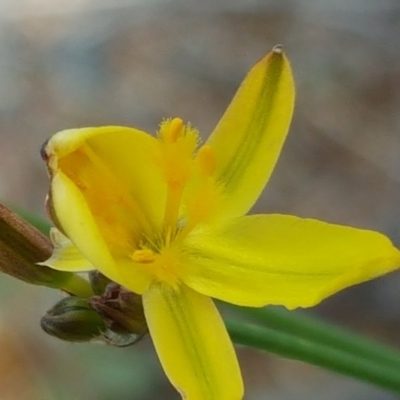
(132, 62)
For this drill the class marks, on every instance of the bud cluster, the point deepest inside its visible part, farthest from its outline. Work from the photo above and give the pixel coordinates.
(95, 310)
(114, 315)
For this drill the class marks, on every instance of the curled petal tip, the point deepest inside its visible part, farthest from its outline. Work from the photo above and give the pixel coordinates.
(278, 49)
(43, 151)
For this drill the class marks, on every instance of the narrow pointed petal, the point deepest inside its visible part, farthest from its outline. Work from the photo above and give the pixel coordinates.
(284, 260)
(249, 137)
(192, 344)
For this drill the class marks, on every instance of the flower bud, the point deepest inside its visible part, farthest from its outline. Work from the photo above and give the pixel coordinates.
(74, 320)
(123, 310)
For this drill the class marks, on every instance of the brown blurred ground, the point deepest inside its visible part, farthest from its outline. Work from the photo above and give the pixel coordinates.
(79, 63)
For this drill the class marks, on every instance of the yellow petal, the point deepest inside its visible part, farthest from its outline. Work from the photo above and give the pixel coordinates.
(192, 344)
(114, 169)
(66, 257)
(249, 137)
(283, 260)
(77, 221)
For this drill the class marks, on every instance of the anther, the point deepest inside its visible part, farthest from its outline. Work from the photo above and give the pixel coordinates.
(206, 160)
(173, 130)
(144, 256)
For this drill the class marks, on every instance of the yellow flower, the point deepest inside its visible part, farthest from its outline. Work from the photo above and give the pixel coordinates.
(165, 217)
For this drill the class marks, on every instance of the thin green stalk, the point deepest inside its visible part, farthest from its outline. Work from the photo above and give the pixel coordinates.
(67, 281)
(298, 348)
(303, 326)
(77, 286)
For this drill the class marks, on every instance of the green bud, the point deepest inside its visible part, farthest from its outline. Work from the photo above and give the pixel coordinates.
(74, 320)
(22, 246)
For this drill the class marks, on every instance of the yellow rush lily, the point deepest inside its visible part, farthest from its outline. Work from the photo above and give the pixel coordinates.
(165, 217)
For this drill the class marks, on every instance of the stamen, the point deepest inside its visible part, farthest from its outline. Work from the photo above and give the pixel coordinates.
(177, 145)
(206, 160)
(144, 256)
(172, 208)
(176, 130)
(205, 197)
(171, 130)
(163, 267)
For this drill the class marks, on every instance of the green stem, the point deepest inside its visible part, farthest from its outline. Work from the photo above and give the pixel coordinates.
(77, 286)
(303, 326)
(73, 283)
(297, 348)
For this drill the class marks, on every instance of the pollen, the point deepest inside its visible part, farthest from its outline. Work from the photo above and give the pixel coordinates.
(164, 267)
(144, 256)
(206, 160)
(171, 130)
(177, 144)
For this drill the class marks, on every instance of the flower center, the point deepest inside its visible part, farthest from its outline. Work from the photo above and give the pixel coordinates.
(177, 146)
(164, 267)
(192, 197)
